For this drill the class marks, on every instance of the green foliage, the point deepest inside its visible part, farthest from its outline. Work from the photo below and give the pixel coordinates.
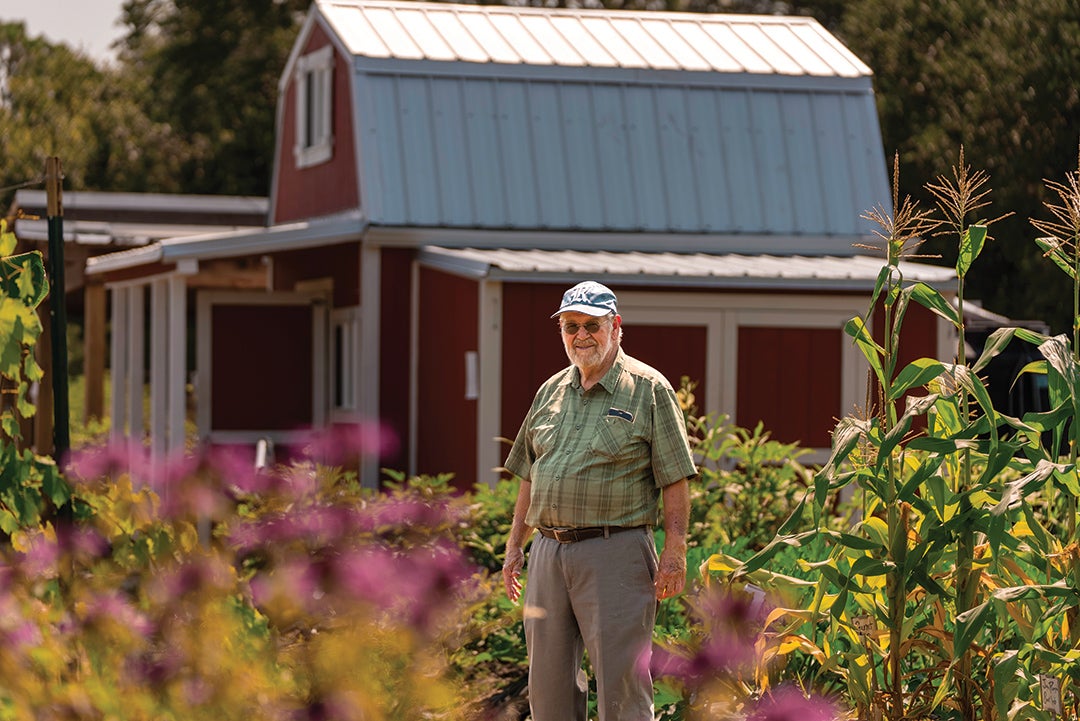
(748, 484)
(958, 584)
(210, 73)
(998, 80)
(30, 486)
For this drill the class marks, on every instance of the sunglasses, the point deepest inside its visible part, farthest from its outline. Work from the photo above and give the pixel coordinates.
(591, 327)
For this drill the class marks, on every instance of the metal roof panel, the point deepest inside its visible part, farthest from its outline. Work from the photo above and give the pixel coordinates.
(730, 270)
(570, 37)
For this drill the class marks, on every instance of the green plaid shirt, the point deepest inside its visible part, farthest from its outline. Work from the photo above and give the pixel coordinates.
(600, 457)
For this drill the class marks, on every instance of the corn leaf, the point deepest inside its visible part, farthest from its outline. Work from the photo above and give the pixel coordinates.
(1052, 249)
(917, 373)
(971, 244)
(935, 302)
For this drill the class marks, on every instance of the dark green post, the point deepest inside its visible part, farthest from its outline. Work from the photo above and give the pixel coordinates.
(57, 309)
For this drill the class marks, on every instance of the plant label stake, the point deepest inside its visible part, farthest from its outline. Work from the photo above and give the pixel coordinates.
(864, 625)
(1051, 694)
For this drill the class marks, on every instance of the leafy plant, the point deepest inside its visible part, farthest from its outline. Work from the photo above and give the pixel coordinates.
(949, 536)
(30, 485)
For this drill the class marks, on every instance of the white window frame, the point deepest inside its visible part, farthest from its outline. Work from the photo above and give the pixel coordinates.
(205, 353)
(314, 78)
(347, 320)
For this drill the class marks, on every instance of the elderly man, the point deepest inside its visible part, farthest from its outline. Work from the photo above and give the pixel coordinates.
(604, 439)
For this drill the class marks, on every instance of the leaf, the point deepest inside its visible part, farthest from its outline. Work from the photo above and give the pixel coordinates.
(23, 277)
(856, 328)
(1052, 249)
(917, 373)
(971, 244)
(883, 277)
(995, 343)
(867, 566)
(968, 625)
(8, 241)
(759, 559)
(935, 302)
(53, 485)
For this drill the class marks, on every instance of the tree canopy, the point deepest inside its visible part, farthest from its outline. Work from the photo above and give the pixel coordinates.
(190, 106)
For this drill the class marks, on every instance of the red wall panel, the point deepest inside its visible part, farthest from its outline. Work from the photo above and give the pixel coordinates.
(675, 351)
(259, 382)
(446, 420)
(790, 379)
(338, 262)
(395, 311)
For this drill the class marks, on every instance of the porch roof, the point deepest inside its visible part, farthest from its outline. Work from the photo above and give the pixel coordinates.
(727, 270)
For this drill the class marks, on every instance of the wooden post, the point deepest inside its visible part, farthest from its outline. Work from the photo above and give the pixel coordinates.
(57, 308)
(94, 303)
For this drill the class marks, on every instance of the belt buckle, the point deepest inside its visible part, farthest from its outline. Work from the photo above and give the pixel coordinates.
(564, 535)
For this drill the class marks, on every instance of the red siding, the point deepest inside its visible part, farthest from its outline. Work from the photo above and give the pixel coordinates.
(532, 350)
(259, 382)
(790, 379)
(918, 339)
(395, 311)
(327, 187)
(446, 422)
(341, 263)
(675, 351)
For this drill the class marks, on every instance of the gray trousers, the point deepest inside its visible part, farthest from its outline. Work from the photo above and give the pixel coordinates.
(594, 595)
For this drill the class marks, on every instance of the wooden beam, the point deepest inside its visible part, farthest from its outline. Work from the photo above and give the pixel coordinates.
(94, 304)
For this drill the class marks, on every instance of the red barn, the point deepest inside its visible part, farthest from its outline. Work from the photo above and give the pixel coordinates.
(443, 172)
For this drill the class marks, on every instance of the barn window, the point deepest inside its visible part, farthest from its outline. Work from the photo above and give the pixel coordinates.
(344, 353)
(314, 107)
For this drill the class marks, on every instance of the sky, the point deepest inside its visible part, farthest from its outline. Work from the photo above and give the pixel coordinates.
(87, 25)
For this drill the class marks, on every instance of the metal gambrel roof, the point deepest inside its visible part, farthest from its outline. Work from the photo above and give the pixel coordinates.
(728, 270)
(678, 124)
(590, 38)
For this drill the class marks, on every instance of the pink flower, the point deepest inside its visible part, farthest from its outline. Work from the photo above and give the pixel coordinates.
(117, 609)
(348, 440)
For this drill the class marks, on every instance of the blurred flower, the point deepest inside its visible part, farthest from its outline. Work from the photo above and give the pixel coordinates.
(113, 608)
(195, 575)
(81, 542)
(40, 556)
(95, 463)
(358, 438)
(236, 470)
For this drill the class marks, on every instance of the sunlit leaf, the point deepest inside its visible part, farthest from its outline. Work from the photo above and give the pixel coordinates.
(1053, 249)
(971, 245)
(23, 277)
(917, 373)
(935, 302)
(856, 329)
(8, 241)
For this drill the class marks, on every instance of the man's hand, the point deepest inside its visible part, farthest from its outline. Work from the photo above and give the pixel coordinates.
(671, 574)
(515, 561)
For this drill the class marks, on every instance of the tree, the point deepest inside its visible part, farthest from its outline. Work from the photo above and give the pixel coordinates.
(209, 69)
(57, 102)
(999, 80)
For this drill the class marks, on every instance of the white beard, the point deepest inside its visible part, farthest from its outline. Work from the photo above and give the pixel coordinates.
(589, 356)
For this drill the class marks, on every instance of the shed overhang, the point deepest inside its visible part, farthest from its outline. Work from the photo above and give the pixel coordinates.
(857, 273)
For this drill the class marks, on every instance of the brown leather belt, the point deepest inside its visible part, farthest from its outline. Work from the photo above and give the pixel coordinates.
(573, 535)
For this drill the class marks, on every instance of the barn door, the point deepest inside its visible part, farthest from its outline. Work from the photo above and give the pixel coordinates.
(261, 366)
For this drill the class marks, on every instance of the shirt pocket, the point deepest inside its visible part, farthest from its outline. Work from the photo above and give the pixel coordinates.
(545, 433)
(618, 440)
